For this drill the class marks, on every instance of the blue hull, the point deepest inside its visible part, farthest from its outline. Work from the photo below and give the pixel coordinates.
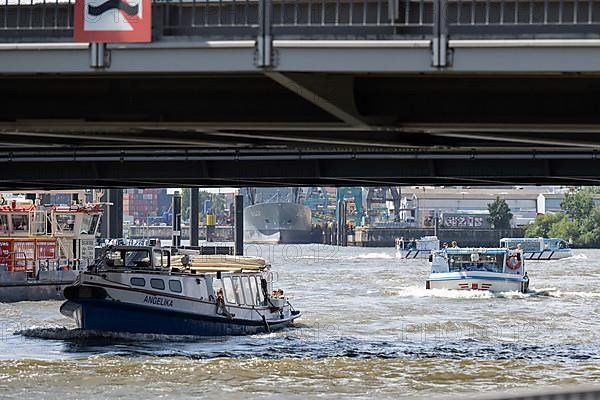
(118, 317)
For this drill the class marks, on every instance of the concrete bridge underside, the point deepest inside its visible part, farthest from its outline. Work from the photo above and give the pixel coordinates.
(438, 100)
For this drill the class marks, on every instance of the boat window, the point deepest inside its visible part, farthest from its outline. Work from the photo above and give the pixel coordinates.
(216, 285)
(238, 289)
(138, 281)
(254, 291)
(529, 247)
(65, 222)
(19, 222)
(137, 259)
(158, 260)
(166, 258)
(476, 262)
(247, 291)
(157, 284)
(261, 295)
(88, 224)
(39, 223)
(229, 292)
(3, 223)
(175, 286)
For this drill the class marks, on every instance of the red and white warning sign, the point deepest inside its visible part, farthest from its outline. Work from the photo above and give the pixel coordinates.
(112, 21)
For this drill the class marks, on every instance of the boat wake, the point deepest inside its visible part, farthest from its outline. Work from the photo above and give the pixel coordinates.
(556, 293)
(415, 291)
(61, 333)
(371, 256)
(444, 341)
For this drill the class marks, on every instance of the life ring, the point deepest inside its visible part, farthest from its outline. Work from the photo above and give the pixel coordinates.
(513, 262)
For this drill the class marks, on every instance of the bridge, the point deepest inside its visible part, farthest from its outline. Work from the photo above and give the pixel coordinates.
(284, 92)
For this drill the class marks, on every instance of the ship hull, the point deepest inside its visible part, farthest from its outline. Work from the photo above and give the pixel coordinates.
(492, 282)
(110, 316)
(277, 223)
(16, 287)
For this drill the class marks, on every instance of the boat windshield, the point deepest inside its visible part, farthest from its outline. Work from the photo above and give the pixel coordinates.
(528, 245)
(65, 222)
(554, 243)
(20, 222)
(476, 262)
(3, 223)
(136, 259)
(89, 224)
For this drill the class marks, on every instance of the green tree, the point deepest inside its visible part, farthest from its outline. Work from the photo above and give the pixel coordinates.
(565, 229)
(591, 189)
(543, 224)
(578, 204)
(500, 214)
(580, 225)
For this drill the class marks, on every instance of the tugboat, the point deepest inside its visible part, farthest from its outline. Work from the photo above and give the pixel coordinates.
(539, 248)
(493, 269)
(43, 247)
(142, 289)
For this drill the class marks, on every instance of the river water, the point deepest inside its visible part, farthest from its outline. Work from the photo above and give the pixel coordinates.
(369, 329)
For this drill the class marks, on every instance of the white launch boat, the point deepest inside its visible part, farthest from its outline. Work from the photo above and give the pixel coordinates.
(493, 269)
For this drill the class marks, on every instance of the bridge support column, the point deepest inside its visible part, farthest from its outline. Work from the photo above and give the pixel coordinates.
(239, 225)
(112, 221)
(176, 238)
(194, 210)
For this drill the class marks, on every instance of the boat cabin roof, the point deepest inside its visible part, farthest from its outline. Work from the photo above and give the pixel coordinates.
(471, 250)
(537, 239)
(157, 258)
(527, 240)
(135, 258)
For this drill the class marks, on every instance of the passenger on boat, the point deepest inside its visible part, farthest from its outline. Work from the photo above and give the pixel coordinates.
(277, 294)
(220, 295)
(454, 244)
(444, 245)
(399, 242)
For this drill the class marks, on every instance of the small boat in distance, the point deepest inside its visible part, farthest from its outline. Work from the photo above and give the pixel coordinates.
(142, 289)
(493, 269)
(539, 248)
(419, 248)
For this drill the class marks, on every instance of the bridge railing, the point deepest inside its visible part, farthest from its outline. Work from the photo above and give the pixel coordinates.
(52, 20)
(229, 18)
(20, 20)
(523, 18)
(362, 17)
